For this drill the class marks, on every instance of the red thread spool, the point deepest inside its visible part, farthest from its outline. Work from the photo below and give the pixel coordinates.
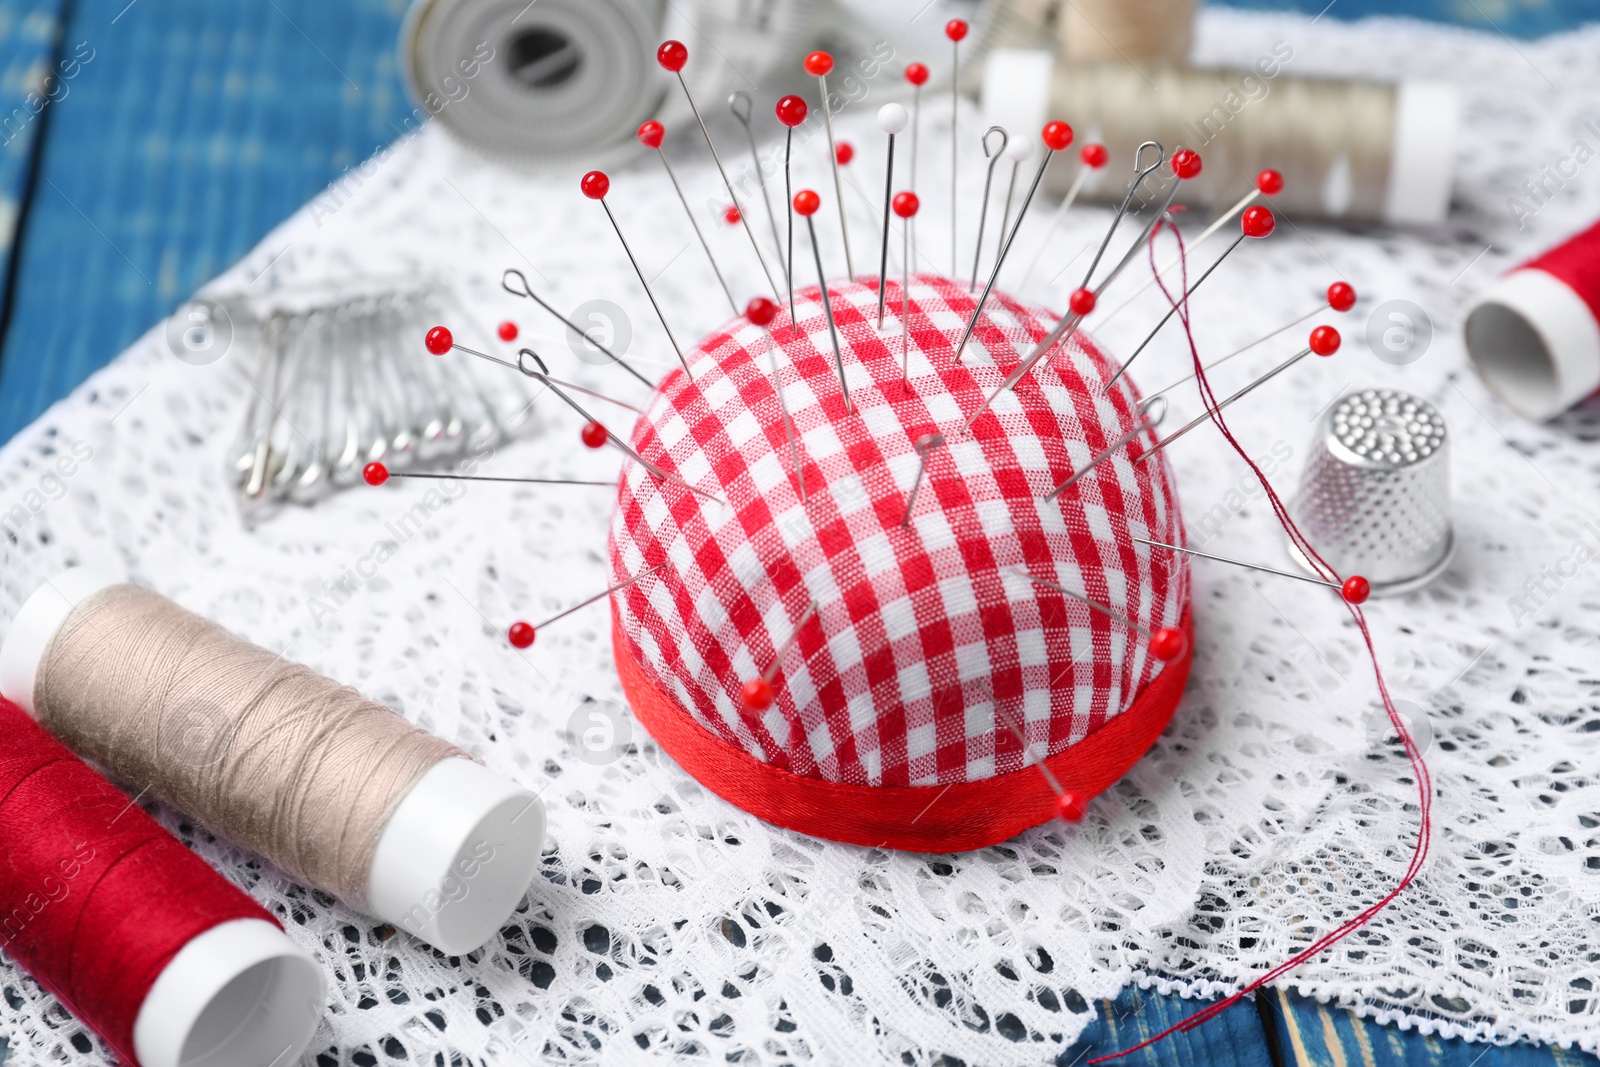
(132, 932)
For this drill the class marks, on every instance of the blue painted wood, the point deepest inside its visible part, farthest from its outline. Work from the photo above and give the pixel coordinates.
(1234, 1038)
(1525, 18)
(30, 85)
(1308, 1034)
(195, 128)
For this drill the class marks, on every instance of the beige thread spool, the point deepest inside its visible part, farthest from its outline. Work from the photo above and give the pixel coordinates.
(1368, 151)
(339, 791)
(1127, 29)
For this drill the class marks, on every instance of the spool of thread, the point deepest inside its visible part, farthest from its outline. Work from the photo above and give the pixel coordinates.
(1535, 334)
(336, 790)
(1127, 29)
(1368, 151)
(160, 955)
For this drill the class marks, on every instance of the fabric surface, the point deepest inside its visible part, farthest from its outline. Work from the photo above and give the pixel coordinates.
(667, 922)
(925, 637)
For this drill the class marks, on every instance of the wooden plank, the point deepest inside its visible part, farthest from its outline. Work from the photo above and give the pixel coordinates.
(1234, 1038)
(1308, 1034)
(195, 129)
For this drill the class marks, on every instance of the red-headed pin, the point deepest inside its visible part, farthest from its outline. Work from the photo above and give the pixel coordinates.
(521, 634)
(905, 205)
(758, 693)
(1353, 590)
(917, 75)
(806, 202)
(651, 134)
(892, 118)
(819, 65)
(595, 186)
(1091, 160)
(956, 31)
(1166, 643)
(791, 111)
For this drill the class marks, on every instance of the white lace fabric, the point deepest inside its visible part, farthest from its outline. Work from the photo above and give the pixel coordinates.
(668, 922)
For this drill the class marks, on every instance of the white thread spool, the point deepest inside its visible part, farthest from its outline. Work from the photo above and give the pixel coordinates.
(457, 853)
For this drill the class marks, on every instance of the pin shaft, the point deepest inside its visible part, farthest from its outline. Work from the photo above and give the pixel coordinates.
(883, 262)
(1138, 628)
(983, 204)
(1243, 349)
(838, 186)
(1216, 224)
(647, 291)
(1198, 419)
(599, 596)
(827, 310)
(794, 635)
(1000, 257)
(1171, 311)
(755, 160)
(527, 291)
(695, 225)
(492, 478)
(1150, 423)
(925, 444)
(1241, 563)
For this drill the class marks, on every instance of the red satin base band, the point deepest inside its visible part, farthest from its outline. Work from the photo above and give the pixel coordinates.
(935, 818)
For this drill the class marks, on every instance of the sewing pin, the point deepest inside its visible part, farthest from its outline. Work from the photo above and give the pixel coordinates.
(924, 444)
(1156, 404)
(1256, 223)
(376, 474)
(806, 202)
(1341, 297)
(1166, 644)
(891, 119)
(1324, 341)
(1353, 590)
(742, 107)
(1070, 807)
(762, 311)
(521, 634)
(956, 30)
(917, 75)
(1091, 159)
(758, 694)
(527, 291)
(1268, 183)
(1056, 136)
(672, 55)
(595, 185)
(650, 135)
(905, 205)
(1017, 152)
(993, 156)
(819, 65)
(791, 112)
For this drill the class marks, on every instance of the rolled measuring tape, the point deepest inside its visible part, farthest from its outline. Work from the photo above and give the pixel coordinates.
(170, 963)
(1534, 336)
(423, 837)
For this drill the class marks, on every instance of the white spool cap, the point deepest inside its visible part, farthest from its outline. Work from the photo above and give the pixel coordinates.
(239, 995)
(457, 853)
(1535, 342)
(1016, 89)
(1422, 158)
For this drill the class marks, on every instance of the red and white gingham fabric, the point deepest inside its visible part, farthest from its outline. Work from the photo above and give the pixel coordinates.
(920, 630)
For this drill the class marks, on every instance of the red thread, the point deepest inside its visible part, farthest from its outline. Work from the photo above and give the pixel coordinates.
(95, 897)
(1419, 768)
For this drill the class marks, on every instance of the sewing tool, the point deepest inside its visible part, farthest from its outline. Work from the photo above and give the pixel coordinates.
(806, 202)
(169, 962)
(523, 289)
(522, 634)
(1375, 494)
(1534, 335)
(1154, 410)
(340, 792)
(819, 65)
(905, 205)
(595, 186)
(791, 112)
(651, 135)
(743, 107)
(758, 693)
(1166, 644)
(891, 119)
(917, 76)
(956, 31)
(1091, 159)
(993, 156)
(672, 56)
(1353, 590)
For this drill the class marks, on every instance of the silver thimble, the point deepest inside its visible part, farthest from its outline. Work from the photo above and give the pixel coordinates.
(1375, 496)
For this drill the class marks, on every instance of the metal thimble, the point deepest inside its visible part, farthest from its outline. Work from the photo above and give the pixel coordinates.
(1375, 496)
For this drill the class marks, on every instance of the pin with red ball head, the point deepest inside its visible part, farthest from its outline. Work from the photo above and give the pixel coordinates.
(1324, 341)
(743, 107)
(1256, 224)
(1056, 136)
(906, 205)
(993, 156)
(1091, 159)
(1268, 183)
(757, 694)
(521, 634)
(1341, 298)
(673, 55)
(651, 135)
(917, 75)
(892, 119)
(956, 30)
(791, 111)
(819, 65)
(761, 312)
(1353, 590)
(806, 202)
(1166, 644)
(1152, 410)
(1070, 806)
(527, 291)
(377, 474)
(595, 186)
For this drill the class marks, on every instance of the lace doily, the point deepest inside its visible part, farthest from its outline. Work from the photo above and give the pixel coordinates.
(669, 923)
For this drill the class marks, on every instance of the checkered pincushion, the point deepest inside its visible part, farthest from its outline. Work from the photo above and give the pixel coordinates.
(920, 629)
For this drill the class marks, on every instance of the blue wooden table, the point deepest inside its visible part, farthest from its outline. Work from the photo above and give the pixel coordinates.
(149, 144)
